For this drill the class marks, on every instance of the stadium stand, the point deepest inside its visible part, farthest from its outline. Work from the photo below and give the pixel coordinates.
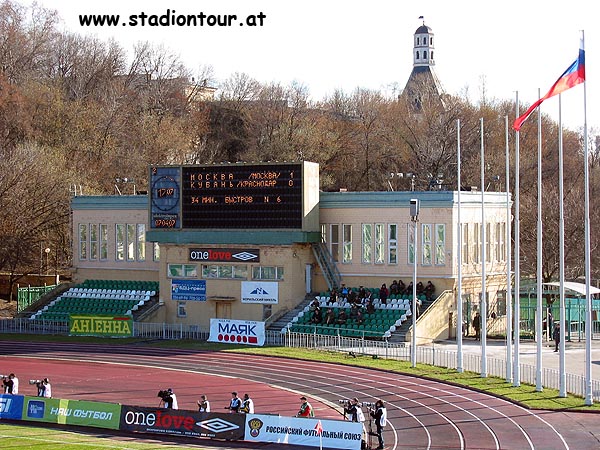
(99, 297)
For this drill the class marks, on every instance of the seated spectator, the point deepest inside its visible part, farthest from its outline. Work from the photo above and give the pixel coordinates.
(394, 288)
(359, 316)
(429, 290)
(317, 316)
(361, 293)
(401, 287)
(344, 291)
(383, 293)
(329, 317)
(353, 309)
(342, 317)
(352, 296)
(314, 305)
(420, 288)
(409, 289)
(370, 306)
(367, 298)
(333, 296)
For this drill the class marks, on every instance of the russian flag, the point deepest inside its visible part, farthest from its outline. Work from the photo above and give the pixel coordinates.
(573, 76)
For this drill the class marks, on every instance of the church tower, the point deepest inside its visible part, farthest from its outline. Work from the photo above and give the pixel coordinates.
(423, 82)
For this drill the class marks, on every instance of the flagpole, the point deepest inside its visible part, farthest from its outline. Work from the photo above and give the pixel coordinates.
(508, 255)
(589, 400)
(538, 315)
(459, 305)
(562, 390)
(483, 301)
(517, 331)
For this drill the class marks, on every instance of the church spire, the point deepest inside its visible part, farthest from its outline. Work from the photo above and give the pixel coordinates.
(423, 46)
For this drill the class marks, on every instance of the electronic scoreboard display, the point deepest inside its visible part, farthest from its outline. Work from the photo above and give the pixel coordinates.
(236, 196)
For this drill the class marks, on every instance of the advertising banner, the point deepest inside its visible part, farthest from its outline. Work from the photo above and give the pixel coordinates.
(264, 292)
(182, 423)
(237, 332)
(11, 406)
(72, 412)
(188, 290)
(102, 326)
(303, 431)
(224, 255)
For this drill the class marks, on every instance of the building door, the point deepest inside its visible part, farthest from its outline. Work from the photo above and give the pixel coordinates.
(223, 310)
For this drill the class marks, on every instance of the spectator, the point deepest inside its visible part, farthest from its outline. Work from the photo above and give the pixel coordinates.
(383, 293)
(367, 298)
(556, 335)
(314, 305)
(235, 404)
(409, 289)
(352, 296)
(429, 290)
(477, 326)
(344, 292)
(353, 310)
(359, 316)
(370, 306)
(203, 404)
(247, 405)
(401, 287)
(420, 288)
(306, 409)
(362, 292)
(317, 316)
(394, 288)
(329, 317)
(342, 317)
(333, 296)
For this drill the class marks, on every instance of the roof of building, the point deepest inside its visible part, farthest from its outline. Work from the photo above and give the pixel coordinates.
(423, 29)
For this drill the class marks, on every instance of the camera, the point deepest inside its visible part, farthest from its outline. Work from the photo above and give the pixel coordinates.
(165, 395)
(35, 381)
(369, 404)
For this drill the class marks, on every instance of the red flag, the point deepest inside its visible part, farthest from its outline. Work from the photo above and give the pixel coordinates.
(319, 428)
(573, 76)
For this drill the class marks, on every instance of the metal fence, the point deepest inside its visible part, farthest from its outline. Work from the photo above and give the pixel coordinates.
(436, 356)
(27, 296)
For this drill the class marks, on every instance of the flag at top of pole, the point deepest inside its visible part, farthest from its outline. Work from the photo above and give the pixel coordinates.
(573, 76)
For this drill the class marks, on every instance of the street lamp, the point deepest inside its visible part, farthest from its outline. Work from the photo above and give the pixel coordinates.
(47, 251)
(414, 217)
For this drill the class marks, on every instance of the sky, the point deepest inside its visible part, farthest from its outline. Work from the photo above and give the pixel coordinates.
(499, 48)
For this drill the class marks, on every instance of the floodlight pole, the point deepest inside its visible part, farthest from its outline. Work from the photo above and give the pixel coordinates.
(414, 217)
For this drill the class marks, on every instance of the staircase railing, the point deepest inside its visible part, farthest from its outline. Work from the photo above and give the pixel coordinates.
(327, 265)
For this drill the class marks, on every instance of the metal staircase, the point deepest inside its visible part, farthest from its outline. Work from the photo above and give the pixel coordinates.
(327, 265)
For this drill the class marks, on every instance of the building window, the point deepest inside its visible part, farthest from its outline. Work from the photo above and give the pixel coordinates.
(500, 235)
(82, 241)
(141, 242)
(130, 242)
(440, 244)
(379, 243)
(103, 241)
(347, 258)
(335, 242)
(156, 251)
(426, 240)
(224, 271)
(181, 309)
(465, 243)
(267, 273)
(182, 271)
(120, 241)
(417, 55)
(488, 242)
(392, 243)
(324, 233)
(476, 243)
(424, 55)
(93, 241)
(425, 40)
(367, 243)
(411, 243)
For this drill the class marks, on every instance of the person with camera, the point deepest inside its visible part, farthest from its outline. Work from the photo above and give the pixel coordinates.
(235, 404)
(247, 405)
(354, 411)
(203, 404)
(43, 386)
(379, 414)
(7, 384)
(168, 399)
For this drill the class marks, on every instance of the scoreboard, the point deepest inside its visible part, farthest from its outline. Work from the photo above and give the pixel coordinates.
(233, 196)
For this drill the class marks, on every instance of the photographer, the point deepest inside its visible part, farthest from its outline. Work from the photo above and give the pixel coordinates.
(354, 411)
(235, 404)
(43, 386)
(247, 405)
(7, 384)
(380, 416)
(169, 399)
(203, 404)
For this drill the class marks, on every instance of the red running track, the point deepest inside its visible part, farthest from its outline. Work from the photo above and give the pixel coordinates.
(422, 414)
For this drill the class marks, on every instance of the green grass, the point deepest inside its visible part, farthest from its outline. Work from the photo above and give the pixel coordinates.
(42, 438)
